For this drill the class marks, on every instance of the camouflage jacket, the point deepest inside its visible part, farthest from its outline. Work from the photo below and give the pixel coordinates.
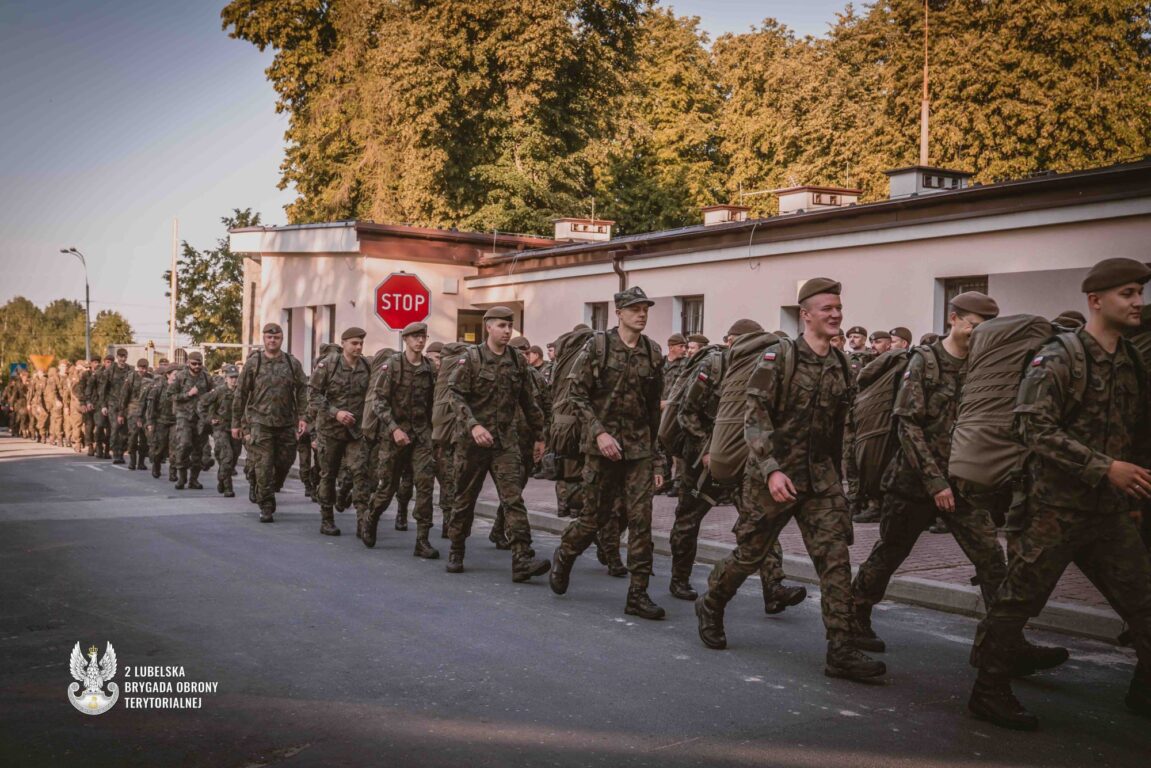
(404, 396)
(132, 395)
(94, 392)
(701, 399)
(54, 391)
(623, 399)
(160, 407)
(79, 388)
(272, 391)
(184, 405)
(671, 373)
(36, 392)
(1073, 444)
(487, 390)
(337, 386)
(546, 370)
(114, 380)
(217, 406)
(857, 361)
(801, 436)
(925, 414)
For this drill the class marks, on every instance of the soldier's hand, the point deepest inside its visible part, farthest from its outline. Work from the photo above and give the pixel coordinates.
(608, 446)
(119, 419)
(347, 418)
(538, 451)
(104, 411)
(400, 437)
(706, 461)
(1130, 478)
(235, 433)
(193, 391)
(781, 488)
(482, 437)
(945, 500)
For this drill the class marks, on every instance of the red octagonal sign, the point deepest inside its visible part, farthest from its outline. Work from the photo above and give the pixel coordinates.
(401, 299)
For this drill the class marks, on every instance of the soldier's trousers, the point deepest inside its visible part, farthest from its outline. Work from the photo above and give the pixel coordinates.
(89, 429)
(227, 451)
(41, 423)
(137, 437)
(473, 464)
(394, 463)
(161, 434)
(527, 461)
(304, 449)
(444, 455)
(101, 432)
(56, 423)
(569, 490)
(189, 438)
(75, 421)
(351, 455)
(695, 501)
(117, 432)
(271, 453)
(901, 522)
(603, 482)
(825, 525)
(1106, 548)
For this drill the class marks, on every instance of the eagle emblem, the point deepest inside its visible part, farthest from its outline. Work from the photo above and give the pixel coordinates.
(94, 676)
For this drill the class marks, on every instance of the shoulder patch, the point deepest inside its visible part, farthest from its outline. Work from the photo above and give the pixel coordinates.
(703, 376)
(461, 361)
(769, 356)
(1038, 360)
(907, 374)
(320, 364)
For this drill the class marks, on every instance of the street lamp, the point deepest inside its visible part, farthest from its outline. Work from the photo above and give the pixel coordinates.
(87, 304)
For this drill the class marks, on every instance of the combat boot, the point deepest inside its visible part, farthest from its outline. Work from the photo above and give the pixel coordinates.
(132, 460)
(140, 463)
(401, 517)
(156, 469)
(681, 589)
(444, 527)
(208, 465)
(182, 480)
(194, 479)
(309, 491)
(861, 635)
(1139, 694)
(496, 536)
(846, 661)
(328, 522)
(252, 492)
(992, 700)
(119, 459)
(371, 525)
(779, 598)
(615, 566)
(171, 474)
(1031, 658)
(343, 500)
(455, 561)
(710, 624)
(525, 565)
(638, 601)
(424, 547)
(219, 484)
(91, 450)
(266, 514)
(360, 515)
(561, 573)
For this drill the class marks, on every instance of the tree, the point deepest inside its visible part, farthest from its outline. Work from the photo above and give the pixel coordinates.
(57, 330)
(210, 287)
(109, 330)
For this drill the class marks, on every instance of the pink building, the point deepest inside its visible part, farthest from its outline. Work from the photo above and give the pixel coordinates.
(1026, 242)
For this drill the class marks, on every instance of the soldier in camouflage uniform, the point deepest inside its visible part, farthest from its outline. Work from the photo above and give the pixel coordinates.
(270, 401)
(132, 405)
(794, 440)
(697, 412)
(76, 406)
(97, 397)
(117, 376)
(37, 406)
(161, 418)
(216, 412)
(337, 391)
(190, 432)
(487, 385)
(618, 398)
(404, 394)
(87, 389)
(1084, 474)
(445, 432)
(54, 396)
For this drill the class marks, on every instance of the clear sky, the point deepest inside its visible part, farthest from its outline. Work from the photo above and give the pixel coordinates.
(119, 115)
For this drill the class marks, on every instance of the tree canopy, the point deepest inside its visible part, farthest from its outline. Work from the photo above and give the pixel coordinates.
(58, 330)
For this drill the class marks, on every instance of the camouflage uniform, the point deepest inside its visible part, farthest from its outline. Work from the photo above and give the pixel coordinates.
(270, 400)
(623, 400)
(445, 438)
(404, 397)
(76, 408)
(37, 405)
(802, 437)
(1073, 514)
(160, 419)
(216, 413)
(697, 413)
(925, 413)
(116, 377)
(98, 385)
(132, 405)
(190, 431)
(487, 390)
(337, 386)
(526, 445)
(54, 389)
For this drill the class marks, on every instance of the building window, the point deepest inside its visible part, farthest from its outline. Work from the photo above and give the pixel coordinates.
(598, 316)
(953, 286)
(691, 314)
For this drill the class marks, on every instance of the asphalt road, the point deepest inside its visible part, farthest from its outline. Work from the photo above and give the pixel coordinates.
(327, 653)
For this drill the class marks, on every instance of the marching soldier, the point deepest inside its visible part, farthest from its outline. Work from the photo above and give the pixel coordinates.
(117, 376)
(161, 418)
(216, 411)
(132, 405)
(190, 433)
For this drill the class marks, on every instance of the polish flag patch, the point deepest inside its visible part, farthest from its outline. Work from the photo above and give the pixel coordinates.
(702, 376)
(769, 356)
(907, 374)
(1037, 361)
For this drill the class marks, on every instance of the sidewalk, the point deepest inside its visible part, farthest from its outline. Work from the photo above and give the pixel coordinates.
(936, 575)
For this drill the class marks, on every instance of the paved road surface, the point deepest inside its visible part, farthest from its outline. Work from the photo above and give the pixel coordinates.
(327, 653)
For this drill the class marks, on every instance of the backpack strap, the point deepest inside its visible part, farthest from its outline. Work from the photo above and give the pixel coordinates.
(1075, 349)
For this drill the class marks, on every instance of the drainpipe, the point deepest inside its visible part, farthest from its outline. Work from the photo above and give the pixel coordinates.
(617, 265)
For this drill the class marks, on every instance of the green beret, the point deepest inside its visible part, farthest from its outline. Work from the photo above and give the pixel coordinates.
(519, 342)
(499, 313)
(273, 328)
(818, 285)
(857, 329)
(353, 333)
(631, 297)
(1112, 273)
(903, 333)
(878, 335)
(414, 328)
(676, 338)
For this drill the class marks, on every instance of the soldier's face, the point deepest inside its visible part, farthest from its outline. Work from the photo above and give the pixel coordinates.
(899, 343)
(692, 347)
(838, 341)
(856, 340)
(676, 351)
(353, 348)
(273, 341)
(171, 377)
(1119, 307)
(499, 331)
(231, 381)
(963, 325)
(551, 352)
(107, 363)
(416, 342)
(881, 345)
(194, 366)
(435, 358)
(822, 314)
(633, 318)
(121, 360)
(535, 359)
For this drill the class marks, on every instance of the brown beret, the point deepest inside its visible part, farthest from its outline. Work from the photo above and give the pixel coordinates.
(535, 350)
(841, 333)
(142, 363)
(676, 338)
(412, 328)
(1112, 273)
(195, 356)
(857, 329)
(353, 333)
(903, 333)
(519, 342)
(121, 352)
(499, 313)
(699, 338)
(273, 328)
(881, 335)
(818, 285)
(435, 346)
(742, 326)
(978, 303)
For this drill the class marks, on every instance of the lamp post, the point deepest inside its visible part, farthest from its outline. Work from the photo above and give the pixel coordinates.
(87, 303)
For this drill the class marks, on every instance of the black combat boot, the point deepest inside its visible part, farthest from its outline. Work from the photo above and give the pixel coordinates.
(615, 566)
(638, 601)
(525, 565)
(710, 619)
(219, 484)
(1031, 658)
(182, 479)
(266, 513)
(91, 450)
(252, 497)
(371, 525)
(779, 598)
(194, 479)
(561, 573)
(140, 463)
(861, 635)
(171, 474)
(496, 536)
(681, 589)
(455, 561)
(846, 661)
(343, 500)
(309, 491)
(424, 547)
(328, 522)
(119, 459)
(401, 516)
(156, 469)
(132, 460)
(992, 700)
(1139, 694)
(208, 464)
(229, 493)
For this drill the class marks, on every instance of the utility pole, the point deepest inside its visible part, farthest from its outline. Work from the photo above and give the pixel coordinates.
(172, 291)
(87, 303)
(924, 107)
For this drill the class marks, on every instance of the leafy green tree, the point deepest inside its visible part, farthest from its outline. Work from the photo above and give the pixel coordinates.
(109, 330)
(58, 330)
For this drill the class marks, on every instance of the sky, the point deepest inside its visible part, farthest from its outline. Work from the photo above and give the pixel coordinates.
(119, 116)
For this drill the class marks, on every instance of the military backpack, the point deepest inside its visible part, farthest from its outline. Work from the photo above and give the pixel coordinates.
(671, 435)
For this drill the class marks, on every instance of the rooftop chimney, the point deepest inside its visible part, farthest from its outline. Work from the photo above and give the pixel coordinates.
(583, 230)
(809, 198)
(924, 180)
(723, 214)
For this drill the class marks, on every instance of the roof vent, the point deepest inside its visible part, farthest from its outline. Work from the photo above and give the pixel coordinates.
(724, 214)
(583, 230)
(924, 180)
(810, 198)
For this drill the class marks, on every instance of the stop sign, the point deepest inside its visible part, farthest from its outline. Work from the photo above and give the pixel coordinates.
(401, 299)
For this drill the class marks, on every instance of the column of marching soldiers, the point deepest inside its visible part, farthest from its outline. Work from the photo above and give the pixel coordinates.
(1036, 429)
